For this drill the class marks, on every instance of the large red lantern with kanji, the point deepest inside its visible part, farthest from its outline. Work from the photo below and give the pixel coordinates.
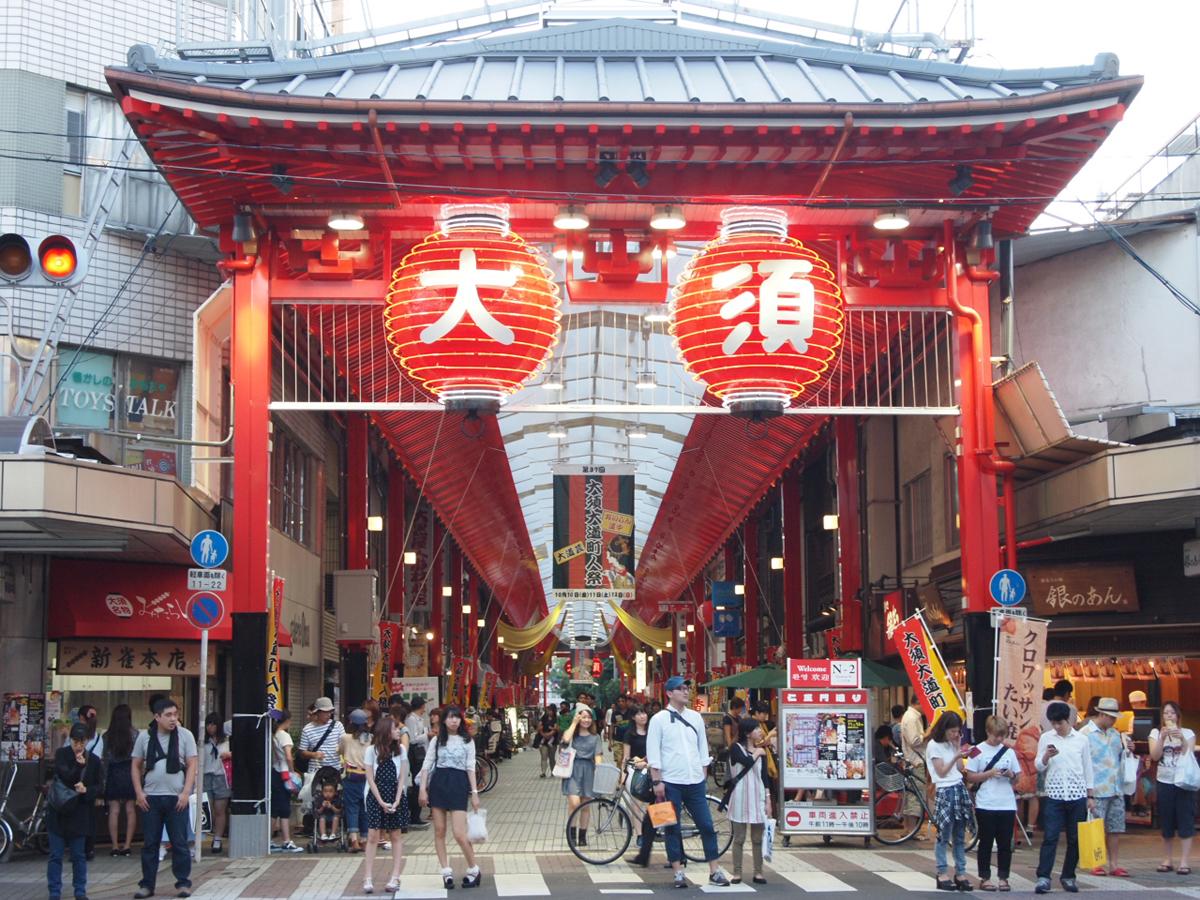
(757, 316)
(473, 310)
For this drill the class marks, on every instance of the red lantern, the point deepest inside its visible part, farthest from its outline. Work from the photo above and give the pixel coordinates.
(757, 316)
(473, 311)
(597, 668)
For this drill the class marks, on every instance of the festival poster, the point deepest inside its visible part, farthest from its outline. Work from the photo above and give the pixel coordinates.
(594, 529)
(926, 669)
(825, 748)
(23, 734)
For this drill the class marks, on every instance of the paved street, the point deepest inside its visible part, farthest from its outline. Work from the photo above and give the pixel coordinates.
(527, 857)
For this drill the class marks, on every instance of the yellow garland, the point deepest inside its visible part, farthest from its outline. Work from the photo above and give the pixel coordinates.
(658, 638)
(538, 664)
(623, 664)
(527, 638)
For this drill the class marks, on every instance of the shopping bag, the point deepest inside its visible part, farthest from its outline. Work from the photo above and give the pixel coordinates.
(1092, 852)
(662, 814)
(564, 762)
(477, 826)
(768, 849)
(1187, 772)
(1129, 770)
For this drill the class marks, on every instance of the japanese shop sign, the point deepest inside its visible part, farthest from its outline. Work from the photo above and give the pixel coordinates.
(1020, 662)
(131, 657)
(893, 613)
(1064, 588)
(815, 818)
(926, 669)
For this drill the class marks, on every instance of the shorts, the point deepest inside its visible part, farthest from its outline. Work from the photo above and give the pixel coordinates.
(281, 797)
(1112, 811)
(1176, 811)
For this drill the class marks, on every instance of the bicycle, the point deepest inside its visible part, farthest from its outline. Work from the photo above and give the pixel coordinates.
(487, 773)
(611, 818)
(28, 833)
(895, 786)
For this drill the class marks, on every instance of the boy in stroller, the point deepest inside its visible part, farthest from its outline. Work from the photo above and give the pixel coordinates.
(327, 809)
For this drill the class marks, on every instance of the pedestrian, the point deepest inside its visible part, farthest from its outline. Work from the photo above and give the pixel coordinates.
(283, 778)
(992, 767)
(387, 801)
(749, 801)
(952, 805)
(897, 716)
(417, 723)
(353, 748)
(371, 707)
(69, 825)
(118, 780)
(635, 761)
(582, 737)
(1065, 756)
(1062, 692)
(882, 748)
(318, 748)
(565, 715)
(729, 726)
(215, 759)
(1176, 806)
(1108, 748)
(90, 719)
(677, 750)
(164, 777)
(912, 746)
(447, 783)
(547, 739)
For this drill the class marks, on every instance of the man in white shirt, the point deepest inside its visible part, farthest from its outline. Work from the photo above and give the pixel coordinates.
(677, 752)
(1064, 755)
(417, 724)
(912, 745)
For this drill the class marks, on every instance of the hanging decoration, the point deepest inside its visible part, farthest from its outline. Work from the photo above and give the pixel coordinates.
(539, 662)
(473, 310)
(658, 638)
(527, 638)
(757, 316)
(624, 665)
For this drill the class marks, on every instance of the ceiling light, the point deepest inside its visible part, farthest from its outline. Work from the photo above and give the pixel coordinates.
(892, 220)
(429, 635)
(656, 318)
(466, 609)
(682, 633)
(571, 218)
(374, 523)
(637, 432)
(480, 623)
(691, 628)
(514, 656)
(829, 522)
(410, 557)
(500, 640)
(447, 590)
(828, 610)
(663, 247)
(342, 220)
(667, 218)
(646, 381)
(739, 589)
(776, 562)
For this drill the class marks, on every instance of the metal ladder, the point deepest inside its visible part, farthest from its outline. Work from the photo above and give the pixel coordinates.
(39, 366)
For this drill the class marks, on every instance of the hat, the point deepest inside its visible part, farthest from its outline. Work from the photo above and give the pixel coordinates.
(1137, 697)
(358, 717)
(1108, 706)
(675, 682)
(323, 704)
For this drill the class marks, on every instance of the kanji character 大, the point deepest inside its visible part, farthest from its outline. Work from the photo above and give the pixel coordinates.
(466, 280)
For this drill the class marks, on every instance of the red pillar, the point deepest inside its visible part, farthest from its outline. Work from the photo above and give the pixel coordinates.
(849, 532)
(456, 638)
(750, 581)
(250, 362)
(396, 524)
(356, 491)
(437, 609)
(793, 561)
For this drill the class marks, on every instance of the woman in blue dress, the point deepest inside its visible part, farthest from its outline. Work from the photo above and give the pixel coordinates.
(581, 737)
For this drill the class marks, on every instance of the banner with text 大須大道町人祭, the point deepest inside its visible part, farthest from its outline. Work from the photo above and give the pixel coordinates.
(593, 528)
(926, 669)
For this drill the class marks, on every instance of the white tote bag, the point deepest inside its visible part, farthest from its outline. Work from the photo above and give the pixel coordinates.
(564, 763)
(1129, 769)
(768, 848)
(1187, 771)
(477, 826)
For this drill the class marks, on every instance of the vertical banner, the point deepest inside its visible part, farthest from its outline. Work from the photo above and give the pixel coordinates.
(593, 528)
(459, 688)
(274, 612)
(418, 585)
(389, 644)
(1020, 662)
(926, 668)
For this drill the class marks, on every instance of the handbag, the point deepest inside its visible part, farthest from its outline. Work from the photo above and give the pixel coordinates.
(564, 762)
(301, 763)
(768, 847)
(642, 786)
(1092, 851)
(477, 826)
(1187, 771)
(662, 814)
(732, 783)
(1129, 770)
(61, 797)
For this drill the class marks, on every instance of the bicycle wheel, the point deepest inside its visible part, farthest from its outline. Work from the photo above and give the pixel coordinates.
(891, 826)
(486, 774)
(972, 831)
(5, 840)
(609, 831)
(693, 844)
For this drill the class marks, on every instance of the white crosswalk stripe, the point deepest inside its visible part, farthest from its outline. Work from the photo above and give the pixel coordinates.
(525, 884)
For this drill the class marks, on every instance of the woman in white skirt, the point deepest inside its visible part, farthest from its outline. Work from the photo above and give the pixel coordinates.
(749, 801)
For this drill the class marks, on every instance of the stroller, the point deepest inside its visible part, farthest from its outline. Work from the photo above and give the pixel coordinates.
(326, 775)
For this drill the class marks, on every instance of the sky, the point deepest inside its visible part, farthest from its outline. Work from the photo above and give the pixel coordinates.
(1153, 38)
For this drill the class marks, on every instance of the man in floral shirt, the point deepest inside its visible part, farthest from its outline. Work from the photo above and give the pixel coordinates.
(1108, 746)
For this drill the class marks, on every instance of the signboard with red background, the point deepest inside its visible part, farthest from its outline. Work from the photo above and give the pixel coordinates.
(111, 599)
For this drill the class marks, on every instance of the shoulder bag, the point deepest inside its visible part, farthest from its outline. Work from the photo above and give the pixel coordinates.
(1187, 771)
(300, 765)
(733, 782)
(61, 797)
(564, 761)
(991, 764)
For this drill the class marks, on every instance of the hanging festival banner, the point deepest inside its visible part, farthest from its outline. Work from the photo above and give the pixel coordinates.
(926, 668)
(390, 642)
(1020, 662)
(458, 690)
(594, 530)
(274, 614)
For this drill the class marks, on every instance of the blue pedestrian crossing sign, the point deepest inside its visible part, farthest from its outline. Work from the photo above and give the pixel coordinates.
(1007, 587)
(205, 610)
(209, 549)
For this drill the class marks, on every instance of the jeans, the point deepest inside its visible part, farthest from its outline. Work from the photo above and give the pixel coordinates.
(694, 798)
(1059, 816)
(959, 836)
(162, 813)
(352, 804)
(995, 825)
(58, 846)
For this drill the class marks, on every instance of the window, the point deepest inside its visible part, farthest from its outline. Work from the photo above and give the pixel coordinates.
(75, 129)
(293, 481)
(918, 519)
(950, 476)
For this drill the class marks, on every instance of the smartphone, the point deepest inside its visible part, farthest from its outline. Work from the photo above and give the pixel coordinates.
(974, 752)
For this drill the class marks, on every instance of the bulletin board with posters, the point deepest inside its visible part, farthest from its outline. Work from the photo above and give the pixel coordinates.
(825, 746)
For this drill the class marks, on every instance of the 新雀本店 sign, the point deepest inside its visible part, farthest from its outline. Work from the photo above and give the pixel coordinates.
(129, 657)
(1063, 588)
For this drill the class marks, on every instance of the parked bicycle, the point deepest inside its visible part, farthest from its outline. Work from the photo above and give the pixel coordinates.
(28, 833)
(487, 773)
(893, 786)
(610, 822)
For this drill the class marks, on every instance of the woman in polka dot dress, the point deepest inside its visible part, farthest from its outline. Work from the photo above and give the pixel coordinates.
(386, 762)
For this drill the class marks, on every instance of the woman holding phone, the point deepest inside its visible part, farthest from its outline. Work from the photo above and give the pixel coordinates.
(943, 756)
(1176, 805)
(992, 766)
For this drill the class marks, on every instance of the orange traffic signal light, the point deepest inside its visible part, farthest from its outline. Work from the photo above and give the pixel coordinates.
(59, 262)
(58, 257)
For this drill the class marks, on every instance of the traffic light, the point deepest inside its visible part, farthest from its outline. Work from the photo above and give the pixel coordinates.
(56, 263)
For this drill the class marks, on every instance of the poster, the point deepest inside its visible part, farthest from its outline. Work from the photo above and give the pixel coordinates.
(1020, 663)
(825, 747)
(593, 528)
(23, 736)
(425, 687)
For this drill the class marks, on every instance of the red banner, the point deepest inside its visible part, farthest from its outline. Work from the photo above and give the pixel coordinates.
(112, 600)
(926, 671)
(389, 645)
(459, 688)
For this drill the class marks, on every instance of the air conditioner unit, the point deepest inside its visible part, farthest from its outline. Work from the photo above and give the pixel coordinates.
(356, 605)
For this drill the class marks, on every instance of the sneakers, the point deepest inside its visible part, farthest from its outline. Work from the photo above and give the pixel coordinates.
(719, 878)
(1069, 885)
(368, 886)
(680, 880)
(290, 847)
(143, 893)
(385, 845)
(1042, 886)
(272, 847)
(392, 886)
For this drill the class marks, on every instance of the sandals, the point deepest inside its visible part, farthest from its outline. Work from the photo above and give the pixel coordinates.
(1184, 870)
(1004, 888)
(986, 885)
(963, 884)
(1165, 867)
(945, 884)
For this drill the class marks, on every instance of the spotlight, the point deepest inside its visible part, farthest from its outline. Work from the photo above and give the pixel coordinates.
(981, 238)
(829, 522)
(606, 173)
(429, 635)
(776, 562)
(829, 610)
(963, 180)
(342, 220)
(892, 220)
(646, 381)
(374, 523)
(571, 218)
(637, 171)
(410, 557)
(667, 218)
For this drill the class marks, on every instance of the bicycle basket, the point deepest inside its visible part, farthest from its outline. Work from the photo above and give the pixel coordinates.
(888, 777)
(606, 779)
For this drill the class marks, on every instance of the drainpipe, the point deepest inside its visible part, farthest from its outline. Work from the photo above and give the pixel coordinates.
(1008, 323)
(244, 264)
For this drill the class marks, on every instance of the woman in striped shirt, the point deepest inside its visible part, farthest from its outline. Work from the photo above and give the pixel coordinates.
(750, 799)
